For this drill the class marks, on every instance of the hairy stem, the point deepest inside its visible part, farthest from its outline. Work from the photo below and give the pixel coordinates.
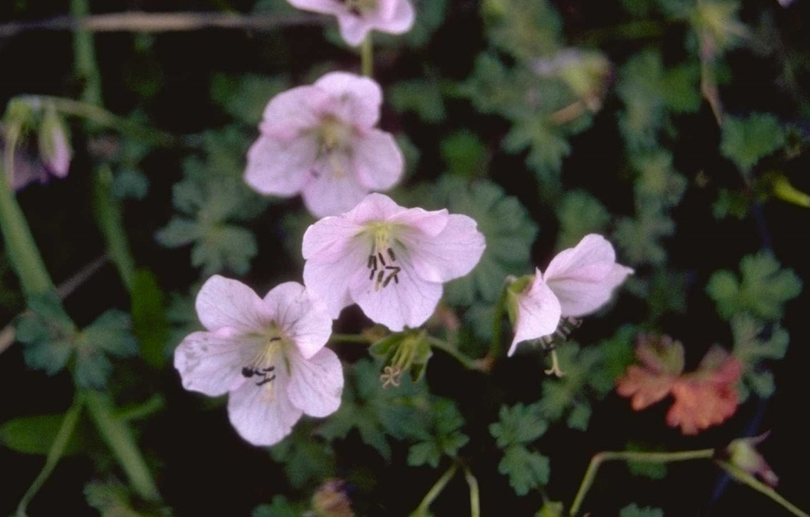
(111, 222)
(747, 479)
(434, 492)
(475, 500)
(367, 56)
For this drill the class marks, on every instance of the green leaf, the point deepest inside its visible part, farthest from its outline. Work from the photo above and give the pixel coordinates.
(245, 97)
(35, 434)
(47, 333)
(464, 154)
(149, 322)
(640, 238)
(280, 507)
(745, 141)
(579, 214)
(526, 469)
(306, 460)
(634, 510)
(518, 425)
(762, 290)
(445, 437)
(420, 96)
(527, 29)
(754, 343)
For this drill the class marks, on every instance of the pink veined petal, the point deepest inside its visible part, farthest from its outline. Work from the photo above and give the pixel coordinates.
(316, 384)
(377, 160)
(330, 239)
(358, 98)
(291, 112)
(538, 313)
(334, 189)
(374, 207)
(223, 302)
(353, 28)
(590, 260)
(318, 6)
(279, 168)
(418, 225)
(300, 316)
(263, 415)
(330, 281)
(407, 301)
(401, 20)
(451, 254)
(211, 362)
(579, 298)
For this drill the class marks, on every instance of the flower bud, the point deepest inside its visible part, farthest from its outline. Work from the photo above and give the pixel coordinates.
(54, 145)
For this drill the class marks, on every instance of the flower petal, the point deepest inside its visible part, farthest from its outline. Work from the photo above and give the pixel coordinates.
(318, 6)
(419, 225)
(407, 301)
(330, 239)
(359, 98)
(538, 313)
(291, 112)
(211, 362)
(223, 302)
(330, 281)
(451, 254)
(353, 28)
(376, 160)
(300, 316)
(334, 189)
(263, 415)
(401, 20)
(280, 168)
(374, 207)
(316, 384)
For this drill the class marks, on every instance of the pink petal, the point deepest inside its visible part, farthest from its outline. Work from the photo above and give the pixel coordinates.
(293, 111)
(316, 384)
(538, 313)
(334, 189)
(330, 281)
(358, 98)
(353, 29)
(419, 226)
(263, 415)
(223, 302)
(401, 20)
(279, 168)
(408, 302)
(300, 316)
(376, 160)
(374, 207)
(330, 239)
(581, 298)
(211, 362)
(318, 6)
(451, 254)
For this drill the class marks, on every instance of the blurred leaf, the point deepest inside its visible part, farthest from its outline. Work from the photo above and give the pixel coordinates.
(35, 434)
(763, 290)
(518, 425)
(754, 343)
(745, 141)
(639, 238)
(633, 510)
(526, 29)
(645, 468)
(464, 154)
(149, 321)
(526, 469)
(579, 214)
(280, 507)
(731, 203)
(306, 460)
(129, 183)
(109, 334)
(420, 96)
(246, 96)
(47, 333)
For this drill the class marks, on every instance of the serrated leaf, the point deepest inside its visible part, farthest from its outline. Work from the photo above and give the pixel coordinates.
(306, 460)
(518, 425)
(420, 96)
(745, 141)
(246, 96)
(526, 470)
(579, 214)
(35, 434)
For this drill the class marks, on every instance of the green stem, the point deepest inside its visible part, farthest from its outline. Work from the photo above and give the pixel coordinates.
(434, 492)
(475, 500)
(349, 338)
(118, 437)
(84, 54)
(627, 31)
(19, 243)
(468, 362)
(111, 223)
(367, 56)
(746, 478)
(54, 454)
(102, 117)
(637, 456)
(497, 323)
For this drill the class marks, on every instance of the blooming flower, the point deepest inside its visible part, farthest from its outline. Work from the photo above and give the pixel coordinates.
(267, 353)
(703, 398)
(357, 17)
(577, 282)
(319, 140)
(389, 260)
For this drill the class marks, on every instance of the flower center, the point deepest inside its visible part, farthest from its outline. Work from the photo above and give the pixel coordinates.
(334, 135)
(263, 365)
(359, 7)
(382, 259)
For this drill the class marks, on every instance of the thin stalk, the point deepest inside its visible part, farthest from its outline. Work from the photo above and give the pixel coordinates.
(746, 478)
(111, 222)
(637, 456)
(54, 454)
(434, 491)
(468, 362)
(118, 437)
(84, 54)
(497, 323)
(349, 338)
(367, 56)
(475, 502)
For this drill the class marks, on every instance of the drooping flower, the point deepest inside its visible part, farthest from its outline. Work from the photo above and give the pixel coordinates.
(54, 146)
(320, 140)
(267, 353)
(389, 260)
(577, 282)
(703, 398)
(742, 454)
(357, 17)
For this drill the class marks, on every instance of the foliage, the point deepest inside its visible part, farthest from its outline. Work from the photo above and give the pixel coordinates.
(518, 427)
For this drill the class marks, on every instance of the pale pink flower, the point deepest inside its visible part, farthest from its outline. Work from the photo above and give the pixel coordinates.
(320, 141)
(577, 282)
(357, 17)
(267, 353)
(54, 146)
(389, 260)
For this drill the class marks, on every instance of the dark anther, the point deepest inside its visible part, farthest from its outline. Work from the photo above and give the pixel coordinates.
(267, 370)
(382, 260)
(391, 254)
(275, 338)
(371, 274)
(265, 380)
(248, 372)
(370, 259)
(380, 276)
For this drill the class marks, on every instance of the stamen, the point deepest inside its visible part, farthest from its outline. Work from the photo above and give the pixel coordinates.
(247, 372)
(265, 380)
(382, 260)
(370, 260)
(391, 254)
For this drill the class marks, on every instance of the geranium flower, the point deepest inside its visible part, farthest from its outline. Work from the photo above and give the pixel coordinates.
(577, 282)
(267, 353)
(703, 398)
(357, 17)
(389, 260)
(320, 141)
(742, 454)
